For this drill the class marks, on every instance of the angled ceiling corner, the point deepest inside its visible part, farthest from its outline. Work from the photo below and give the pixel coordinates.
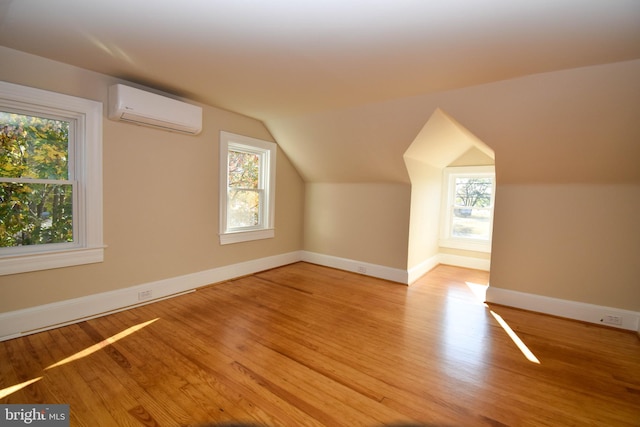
(442, 140)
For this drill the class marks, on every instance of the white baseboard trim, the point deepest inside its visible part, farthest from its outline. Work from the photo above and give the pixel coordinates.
(456, 260)
(368, 269)
(40, 318)
(17, 323)
(405, 277)
(564, 308)
(465, 261)
(423, 268)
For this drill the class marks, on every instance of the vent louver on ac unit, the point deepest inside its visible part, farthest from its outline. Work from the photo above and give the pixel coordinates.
(149, 109)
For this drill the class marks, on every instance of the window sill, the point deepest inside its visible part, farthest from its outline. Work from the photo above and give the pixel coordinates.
(47, 261)
(245, 236)
(466, 245)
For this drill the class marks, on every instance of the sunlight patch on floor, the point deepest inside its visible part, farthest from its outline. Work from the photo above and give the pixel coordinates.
(84, 353)
(478, 290)
(12, 389)
(108, 341)
(515, 338)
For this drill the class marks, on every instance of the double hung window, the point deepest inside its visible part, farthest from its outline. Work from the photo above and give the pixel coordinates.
(247, 188)
(50, 180)
(467, 217)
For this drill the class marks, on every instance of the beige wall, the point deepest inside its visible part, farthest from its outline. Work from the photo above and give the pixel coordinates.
(578, 242)
(363, 222)
(552, 235)
(160, 198)
(550, 132)
(426, 197)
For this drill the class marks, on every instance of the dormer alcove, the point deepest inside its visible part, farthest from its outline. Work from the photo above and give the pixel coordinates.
(442, 142)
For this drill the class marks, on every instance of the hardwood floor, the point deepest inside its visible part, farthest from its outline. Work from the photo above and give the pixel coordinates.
(305, 345)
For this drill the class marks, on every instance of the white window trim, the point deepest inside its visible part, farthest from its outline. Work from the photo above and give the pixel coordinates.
(448, 189)
(89, 247)
(267, 230)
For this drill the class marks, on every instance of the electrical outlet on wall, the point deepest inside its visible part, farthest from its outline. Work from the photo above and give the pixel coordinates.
(144, 295)
(611, 319)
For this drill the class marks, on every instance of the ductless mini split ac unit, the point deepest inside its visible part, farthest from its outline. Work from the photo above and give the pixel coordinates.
(149, 109)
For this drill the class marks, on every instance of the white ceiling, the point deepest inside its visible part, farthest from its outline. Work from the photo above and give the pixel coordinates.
(279, 60)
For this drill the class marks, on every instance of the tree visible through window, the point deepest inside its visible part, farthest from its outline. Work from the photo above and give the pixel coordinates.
(50, 180)
(245, 193)
(467, 215)
(472, 207)
(36, 191)
(247, 188)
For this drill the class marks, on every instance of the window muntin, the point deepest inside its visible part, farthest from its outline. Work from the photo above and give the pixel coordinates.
(36, 184)
(50, 180)
(467, 219)
(247, 188)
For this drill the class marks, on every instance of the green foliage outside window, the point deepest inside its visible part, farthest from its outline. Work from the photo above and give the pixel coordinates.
(244, 190)
(36, 197)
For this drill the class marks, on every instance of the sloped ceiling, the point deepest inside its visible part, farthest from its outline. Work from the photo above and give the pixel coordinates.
(346, 86)
(442, 140)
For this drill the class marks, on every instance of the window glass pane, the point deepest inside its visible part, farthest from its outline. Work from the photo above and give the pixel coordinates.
(244, 169)
(33, 147)
(471, 223)
(247, 178)
(467, 208)
(243, 208)
(50, 180)
(473, 191)
(34, 214)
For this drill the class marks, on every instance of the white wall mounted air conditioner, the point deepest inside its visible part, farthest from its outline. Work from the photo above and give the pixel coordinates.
(149, 109)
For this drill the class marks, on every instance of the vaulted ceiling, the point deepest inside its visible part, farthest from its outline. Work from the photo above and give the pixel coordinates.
(338, 78)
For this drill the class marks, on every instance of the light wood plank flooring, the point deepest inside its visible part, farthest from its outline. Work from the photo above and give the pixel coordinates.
(305, 345)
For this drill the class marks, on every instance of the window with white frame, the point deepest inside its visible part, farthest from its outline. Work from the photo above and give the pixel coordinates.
(247, 188)
(50, 180)
(467, 208)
